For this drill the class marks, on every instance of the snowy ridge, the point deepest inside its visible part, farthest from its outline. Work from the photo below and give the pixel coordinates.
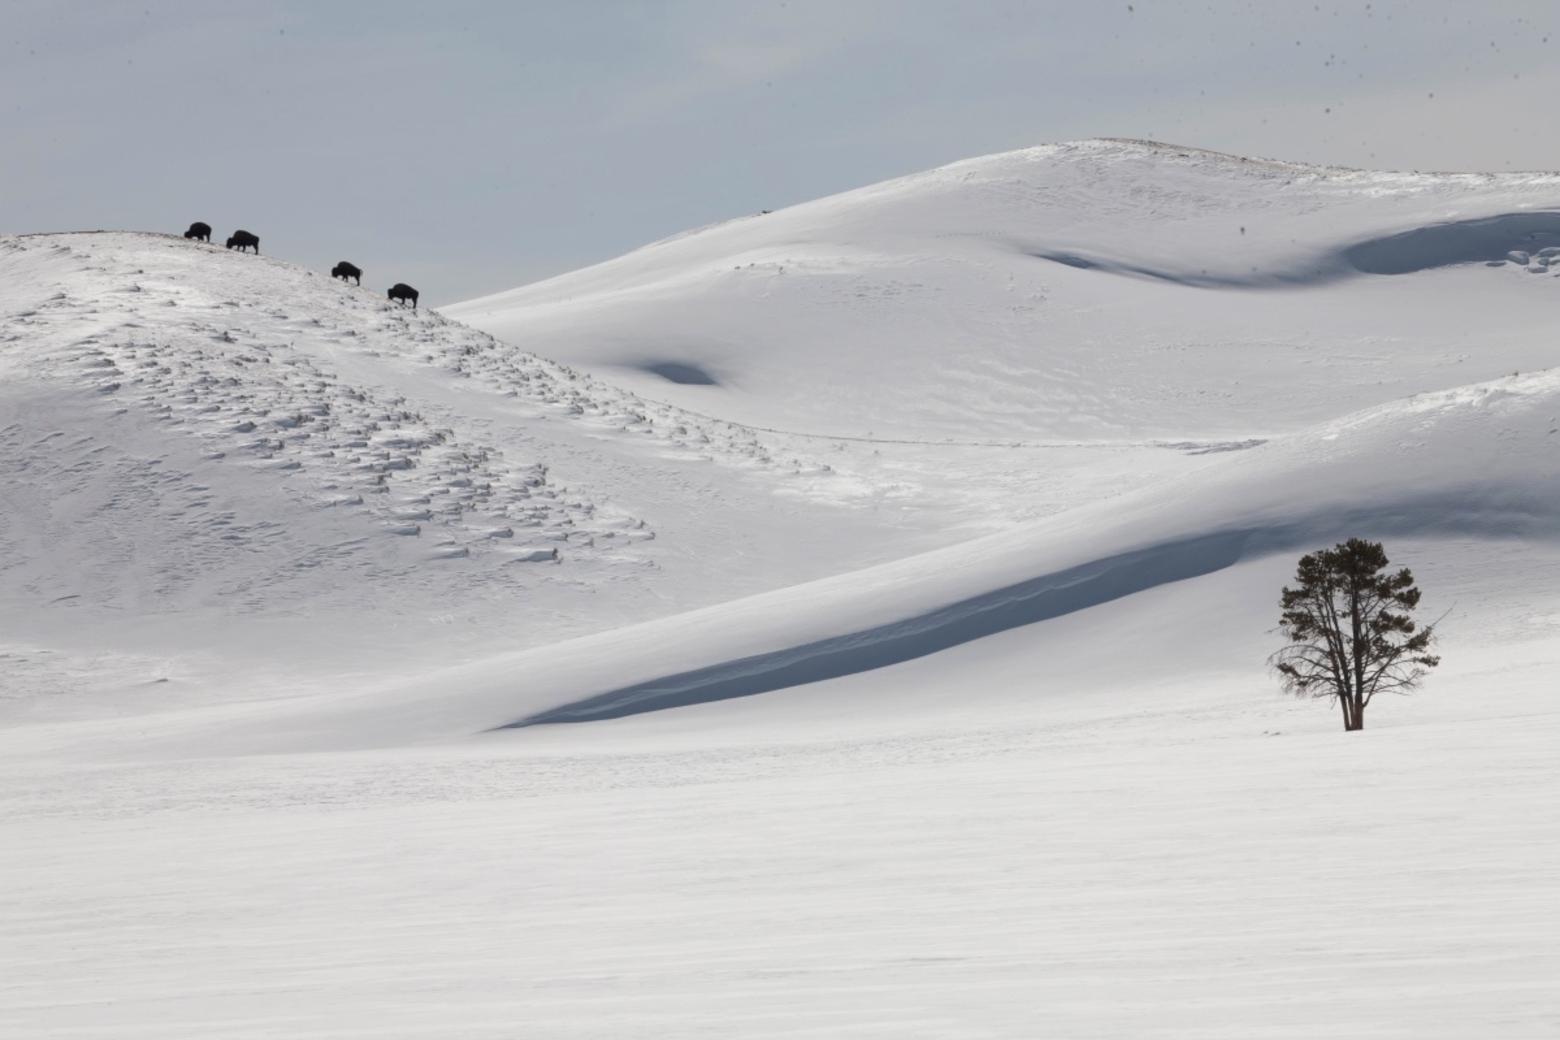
(983, 298)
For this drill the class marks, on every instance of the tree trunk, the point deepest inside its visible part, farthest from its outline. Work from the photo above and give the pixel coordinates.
(1356, 716)
(1357, 656)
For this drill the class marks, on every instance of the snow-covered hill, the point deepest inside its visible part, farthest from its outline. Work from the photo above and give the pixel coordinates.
(904, 565)
(1101, 290)
(197, 439)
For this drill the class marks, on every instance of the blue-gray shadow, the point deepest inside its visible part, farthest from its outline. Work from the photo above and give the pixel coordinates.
(1025, 603)
(684, 373)
(1480, 240)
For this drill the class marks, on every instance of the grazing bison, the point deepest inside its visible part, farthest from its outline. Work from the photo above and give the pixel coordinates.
(242, 240)
(345, 270)
(200, 231)
(403, 292)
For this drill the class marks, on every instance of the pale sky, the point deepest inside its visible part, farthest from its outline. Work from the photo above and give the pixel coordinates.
(467, 147)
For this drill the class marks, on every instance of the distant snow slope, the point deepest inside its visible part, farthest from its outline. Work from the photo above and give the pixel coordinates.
(1100, 289)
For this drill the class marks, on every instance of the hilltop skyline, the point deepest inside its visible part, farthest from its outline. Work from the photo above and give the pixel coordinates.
(498, 144)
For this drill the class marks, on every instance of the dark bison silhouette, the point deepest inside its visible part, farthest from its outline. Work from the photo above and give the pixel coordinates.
(242, 240)
(199, 230)
(345, 270)
(403, 292)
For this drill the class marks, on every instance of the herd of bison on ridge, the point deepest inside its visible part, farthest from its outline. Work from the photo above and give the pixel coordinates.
(242, 240)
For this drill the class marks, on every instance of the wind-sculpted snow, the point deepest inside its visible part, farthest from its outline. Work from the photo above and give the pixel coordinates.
(250, 379)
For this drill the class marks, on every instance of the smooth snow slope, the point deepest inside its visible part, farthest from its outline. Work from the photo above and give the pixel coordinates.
(1099, 289)
(955, 726)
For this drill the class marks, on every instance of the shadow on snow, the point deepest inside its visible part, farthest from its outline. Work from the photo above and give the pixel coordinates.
(1482, 240)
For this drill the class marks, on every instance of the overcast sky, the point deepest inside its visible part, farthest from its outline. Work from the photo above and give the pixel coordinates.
(467, 147)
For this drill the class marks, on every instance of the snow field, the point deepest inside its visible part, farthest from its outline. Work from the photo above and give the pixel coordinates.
(886, 653)
(1168, 866)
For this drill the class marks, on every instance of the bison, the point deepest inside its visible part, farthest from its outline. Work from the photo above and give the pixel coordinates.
(345, 270)
(242, 240)
(200, 231)
(403, 292)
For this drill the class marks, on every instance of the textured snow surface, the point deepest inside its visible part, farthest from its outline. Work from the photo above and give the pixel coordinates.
(847, 621)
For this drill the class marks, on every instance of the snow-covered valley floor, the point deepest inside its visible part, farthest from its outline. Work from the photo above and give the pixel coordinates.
(902, 568)
(1160, 873)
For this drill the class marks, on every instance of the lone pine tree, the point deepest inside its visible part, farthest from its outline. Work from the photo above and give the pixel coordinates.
(1349, 631)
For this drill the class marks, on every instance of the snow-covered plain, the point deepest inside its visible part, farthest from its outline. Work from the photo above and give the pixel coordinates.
(845, 621)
